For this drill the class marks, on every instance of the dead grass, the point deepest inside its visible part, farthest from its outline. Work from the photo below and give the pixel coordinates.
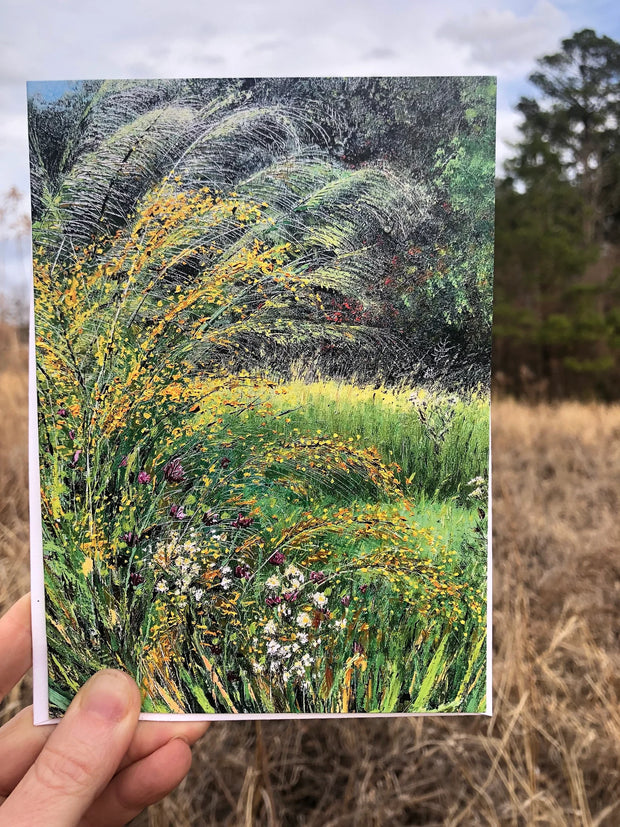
(13, 485)
(551, 753)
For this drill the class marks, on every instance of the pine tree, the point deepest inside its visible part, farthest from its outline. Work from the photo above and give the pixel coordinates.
(556, 208)
(574, 126)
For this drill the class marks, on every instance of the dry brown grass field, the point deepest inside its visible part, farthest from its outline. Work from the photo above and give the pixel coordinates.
(551, 752)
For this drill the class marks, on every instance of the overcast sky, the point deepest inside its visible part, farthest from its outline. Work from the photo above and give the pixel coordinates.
(76, 39)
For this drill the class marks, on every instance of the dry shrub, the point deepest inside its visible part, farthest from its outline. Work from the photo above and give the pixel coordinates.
(13, 467)
(549, 755)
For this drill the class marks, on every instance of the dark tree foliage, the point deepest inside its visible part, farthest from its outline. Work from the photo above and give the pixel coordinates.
(385, 185)
(558, 226)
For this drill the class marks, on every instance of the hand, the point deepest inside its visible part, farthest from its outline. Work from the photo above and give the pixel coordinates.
(99, 766)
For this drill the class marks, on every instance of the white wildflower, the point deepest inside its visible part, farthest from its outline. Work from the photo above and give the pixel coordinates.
(319, 600)
(293, 573)
(304, 619)
(273, 647)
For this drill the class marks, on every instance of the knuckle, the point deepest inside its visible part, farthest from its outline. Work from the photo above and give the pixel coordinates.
(60, 771)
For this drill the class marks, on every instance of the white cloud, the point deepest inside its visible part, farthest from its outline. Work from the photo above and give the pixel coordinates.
(507, 136)
(72, 39)
(505, 40)
(193, 38)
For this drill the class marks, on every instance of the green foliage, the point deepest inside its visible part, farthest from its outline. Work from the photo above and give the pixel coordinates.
(557, 225)
(437, 441)
(382, 186)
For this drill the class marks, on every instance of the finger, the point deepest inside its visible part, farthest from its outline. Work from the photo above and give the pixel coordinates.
(20, 744)
(15, 644)
(80, 756)
(151, 735)
(140, 785)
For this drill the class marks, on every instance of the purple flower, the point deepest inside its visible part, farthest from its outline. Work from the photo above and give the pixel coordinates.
(346, 600)
(177, 512)
(71, 434)
(358, 648)
(76, 458)
(291, 597)
(364, 588)
(135, 579)
(210, 518)
(173, 471)
(277, 558)
(242, 522)
(273, 601)
(225, 462)
(317, 576)
(143, 477)
(63, 412)
(124, 462)
(243, 571)
(130, 538)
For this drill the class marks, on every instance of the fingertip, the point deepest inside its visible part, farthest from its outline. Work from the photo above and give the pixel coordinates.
(142, 784)
(193, 730)
(15, 644)
(110, 694)
(179, 753)
(175, 762)
(21, 607)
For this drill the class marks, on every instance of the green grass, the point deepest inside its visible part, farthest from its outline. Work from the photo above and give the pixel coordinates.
(239, 544)
(393, 641)
(438, 441)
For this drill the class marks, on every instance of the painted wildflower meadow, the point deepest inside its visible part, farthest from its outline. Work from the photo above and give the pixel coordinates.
(263, 348)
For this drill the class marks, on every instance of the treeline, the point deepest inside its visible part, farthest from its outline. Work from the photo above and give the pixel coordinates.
(423, 281)
(557, 271)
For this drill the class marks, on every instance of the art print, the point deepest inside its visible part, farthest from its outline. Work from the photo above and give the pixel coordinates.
(262, 322)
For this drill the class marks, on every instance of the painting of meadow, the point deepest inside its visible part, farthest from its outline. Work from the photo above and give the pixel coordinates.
(262, 320)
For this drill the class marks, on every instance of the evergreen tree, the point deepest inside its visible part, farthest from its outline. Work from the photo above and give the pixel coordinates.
(557, 207)
(574, 126)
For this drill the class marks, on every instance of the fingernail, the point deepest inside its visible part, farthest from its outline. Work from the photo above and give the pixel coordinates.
(107, 694)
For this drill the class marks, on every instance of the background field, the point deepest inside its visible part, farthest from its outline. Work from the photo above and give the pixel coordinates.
(551, 752)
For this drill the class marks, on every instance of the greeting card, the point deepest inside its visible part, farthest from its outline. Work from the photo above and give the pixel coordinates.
(260, 392)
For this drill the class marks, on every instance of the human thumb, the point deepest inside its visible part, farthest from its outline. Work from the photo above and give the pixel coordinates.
(80, 757)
